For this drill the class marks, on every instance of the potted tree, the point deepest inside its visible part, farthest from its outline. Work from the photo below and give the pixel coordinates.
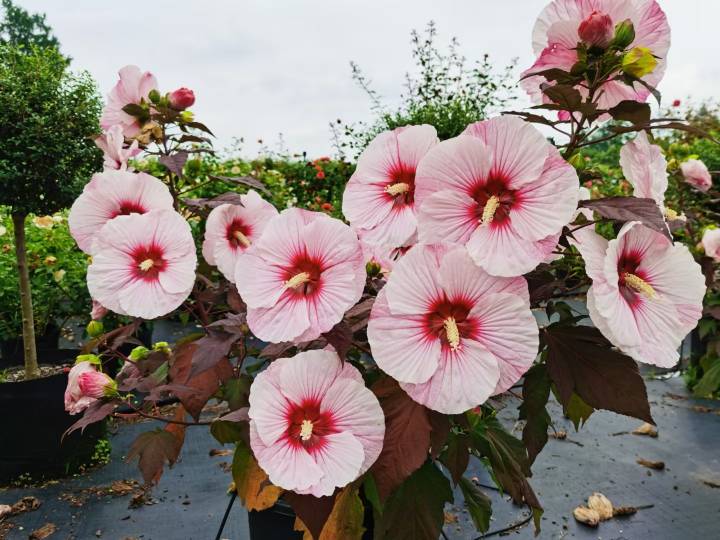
(48, 115)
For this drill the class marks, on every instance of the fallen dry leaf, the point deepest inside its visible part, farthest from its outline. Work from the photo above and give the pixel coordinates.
(450, 518)
(646, 429)
(586, 515)
(26, 504)
(601, 504)
(560, 435)
(43, 532)
(711, 483)
(624, 511)
(218, 452)
(657, 465)
(5, 509)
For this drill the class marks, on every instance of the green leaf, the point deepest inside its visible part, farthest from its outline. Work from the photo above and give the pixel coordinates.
(415, 511)
(536, 392)
(371, 493)
(509, 461)
(228, 432)
(710, 381)
(580, 360)
(577, 411)
(478, 504)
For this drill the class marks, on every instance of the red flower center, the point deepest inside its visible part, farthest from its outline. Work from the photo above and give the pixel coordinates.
(401, 187)
(129, 207)
(308, 426)
(238, 234)
(450, 321)
(494, 201)
(148, 262)
(633, 282)
(303, 278)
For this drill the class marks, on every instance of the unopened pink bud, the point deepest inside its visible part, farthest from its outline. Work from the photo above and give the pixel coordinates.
(95, 384)
(596, 29)
(182, 98)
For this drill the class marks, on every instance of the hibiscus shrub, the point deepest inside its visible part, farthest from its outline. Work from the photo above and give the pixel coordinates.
(357, 363)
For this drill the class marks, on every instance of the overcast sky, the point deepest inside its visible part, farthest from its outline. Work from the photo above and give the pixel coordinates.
(264, 67)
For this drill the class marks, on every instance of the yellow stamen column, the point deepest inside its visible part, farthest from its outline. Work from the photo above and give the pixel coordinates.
(452, 332)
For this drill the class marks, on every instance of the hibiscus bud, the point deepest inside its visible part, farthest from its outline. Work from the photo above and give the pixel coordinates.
(373, 268)
(624, 34)
(587, 516)
(187, 116)
(676, 103)
(96, 385)
(139, 353)
(154, 96)
(95, 328)
(696, 173)
(596, 29)
(182, 98)
(601, 504)
(162, 346)
(638, 62)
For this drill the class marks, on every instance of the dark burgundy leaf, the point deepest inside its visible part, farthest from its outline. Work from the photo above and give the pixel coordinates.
(98, 410)
(212, 348)
(120, 336)
(534, 118)
(713, 311)
(625, 209)
(133, 109)
(200, 126)
(193, 139)
(566, 96)
(536, 392)
(175, 162)
(580, 360)
(707, 265)
(181, 362)
(631, 111)
(244, 180)
(416, 510)
(457, 455)
(234, 301)
(203, 386)
(225, 198)
(554, 74)
(153, 449)
(276, 350)
(407, 436)
(312, 511)
(440, 424)
(340, 337)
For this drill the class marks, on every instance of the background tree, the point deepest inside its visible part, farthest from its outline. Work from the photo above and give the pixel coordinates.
(47, 118)
(23, 29)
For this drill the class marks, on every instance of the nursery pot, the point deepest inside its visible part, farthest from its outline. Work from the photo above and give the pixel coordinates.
(12, 350)
(278, 521)
(33, 422)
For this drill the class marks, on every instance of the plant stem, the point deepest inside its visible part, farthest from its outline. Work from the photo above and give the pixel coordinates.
(28, 325)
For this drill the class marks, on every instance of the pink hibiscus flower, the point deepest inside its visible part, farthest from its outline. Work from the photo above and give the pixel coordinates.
(502, 190)
(696, 174)
(110, 194)
(646, 294)
(97, 311)
(300, 276)
(644, 166)
(314, 426)
(450, 333)
(143, 264)
(565, 23)
(76, 401)
(112, 143)
(231, 229)
(383, 255)
(379, 199)
(711, 243)
(133, 87)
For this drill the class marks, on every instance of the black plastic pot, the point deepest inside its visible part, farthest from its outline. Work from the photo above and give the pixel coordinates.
(33, 422)
(12, 350)
(278, 521)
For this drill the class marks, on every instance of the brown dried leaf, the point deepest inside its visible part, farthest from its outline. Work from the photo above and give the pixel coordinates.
(657, 465)
(345, 522)
(43, 532)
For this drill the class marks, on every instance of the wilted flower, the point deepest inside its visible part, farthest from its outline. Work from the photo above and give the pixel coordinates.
(646, 294)
(586, 515)
(43, 222)
(696, 174)
(143, 264)
(112, 143)
(301, 276)
(450, 333)
(379, 199)
(314, 425)
(59, 275)
(711, 243)
(50, 260)
(502, 190)
(602, 505)
(114, 193)
(133, 87)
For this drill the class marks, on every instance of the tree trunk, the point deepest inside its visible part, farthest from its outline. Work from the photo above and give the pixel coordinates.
(28, 325)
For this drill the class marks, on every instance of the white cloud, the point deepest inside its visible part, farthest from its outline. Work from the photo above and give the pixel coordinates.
(261, 67)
